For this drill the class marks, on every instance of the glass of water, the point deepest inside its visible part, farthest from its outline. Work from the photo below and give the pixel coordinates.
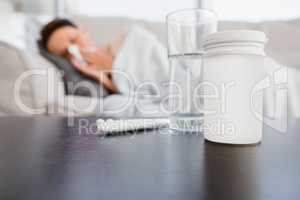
(186, 30)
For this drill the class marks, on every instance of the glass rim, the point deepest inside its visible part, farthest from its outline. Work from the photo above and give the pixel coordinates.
(212, 13)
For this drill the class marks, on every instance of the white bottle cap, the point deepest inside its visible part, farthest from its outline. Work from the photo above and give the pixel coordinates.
(235, 42)
(235, 36)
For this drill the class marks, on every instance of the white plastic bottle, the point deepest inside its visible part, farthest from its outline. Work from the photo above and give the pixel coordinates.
(233, 66)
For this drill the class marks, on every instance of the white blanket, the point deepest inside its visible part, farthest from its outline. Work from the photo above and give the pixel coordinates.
(139, 72)
(142, 59)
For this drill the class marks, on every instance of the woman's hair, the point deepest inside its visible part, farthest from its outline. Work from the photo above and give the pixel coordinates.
(52, 26)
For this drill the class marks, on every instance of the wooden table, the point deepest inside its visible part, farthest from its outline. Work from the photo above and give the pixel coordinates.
(42, 158)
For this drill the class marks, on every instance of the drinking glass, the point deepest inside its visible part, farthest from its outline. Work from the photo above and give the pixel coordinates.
(186, 30)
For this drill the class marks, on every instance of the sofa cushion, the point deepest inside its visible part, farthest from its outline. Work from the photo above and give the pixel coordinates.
(11, 67)
(27, 82)
(104, 29)
(284, 43)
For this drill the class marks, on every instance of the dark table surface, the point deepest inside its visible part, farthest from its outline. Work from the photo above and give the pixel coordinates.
(44, 158)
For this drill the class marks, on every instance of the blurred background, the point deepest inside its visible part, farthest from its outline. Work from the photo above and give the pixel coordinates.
(18, 17)
(156, 9)
(21, 22)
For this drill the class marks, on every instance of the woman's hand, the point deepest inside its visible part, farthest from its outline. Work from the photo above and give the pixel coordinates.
(102, 76)
(114, 46)
(98, 58)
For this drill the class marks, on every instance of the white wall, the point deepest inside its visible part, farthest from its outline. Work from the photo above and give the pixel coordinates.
(257, 9)
(148, 9)
(156, 9)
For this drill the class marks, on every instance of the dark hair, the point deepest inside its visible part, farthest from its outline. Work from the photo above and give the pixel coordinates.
(52, 26)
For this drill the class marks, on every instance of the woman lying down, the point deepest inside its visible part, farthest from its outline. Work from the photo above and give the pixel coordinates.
(131, 59)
